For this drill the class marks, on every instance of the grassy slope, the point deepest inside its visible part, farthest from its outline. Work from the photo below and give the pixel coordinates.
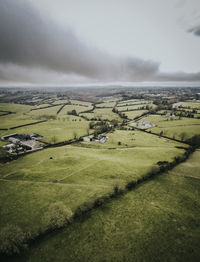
(132, 139)
(103, 114)
(107, 104)
(62, 127)
(18, 118)
(131, 107)
(69, 108)
(173, 128)
(14, 107)
(189, 104)
(132, 101)
(159, 221)
(73, 176)
(133, 114)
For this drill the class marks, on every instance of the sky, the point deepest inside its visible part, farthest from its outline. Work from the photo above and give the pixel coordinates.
(67, 42)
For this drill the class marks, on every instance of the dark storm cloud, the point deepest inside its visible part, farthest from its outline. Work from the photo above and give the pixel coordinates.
(35, 49)
(26, 39)
(195, 30)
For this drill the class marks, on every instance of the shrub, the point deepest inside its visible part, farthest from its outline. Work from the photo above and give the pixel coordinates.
(57, 215)
(12, 239)
(131, 185)
(4, 155)
(116, 189)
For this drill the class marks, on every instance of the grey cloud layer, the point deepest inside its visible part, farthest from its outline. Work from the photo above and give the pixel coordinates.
(35, 49)
(195, 30)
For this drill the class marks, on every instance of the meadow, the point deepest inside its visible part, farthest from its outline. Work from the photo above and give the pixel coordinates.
(134, 114)
(107, 104)
(150, 223)
(189, 104)
(131, 101)
(173, 128)
(78, 108)
(75, 175)
(158, 221)
(57, 128)
(102, 114)
(81, 102)
(135, 107)
(132, 139)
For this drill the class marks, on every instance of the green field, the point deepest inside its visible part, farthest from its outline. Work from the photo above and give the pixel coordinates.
(57, 128)
(42, 113)
(181, 111)
(17, 108)
(172, 128)
(41, 106)
(135, 107)
(158, 221)
(78, 108)
(60, 101)
(106, 104)
(134, 114)
(189, 104)
(132, 139)
(19, 116)
(80, 102)
(102, 114)
(75, 175)
(132, 101)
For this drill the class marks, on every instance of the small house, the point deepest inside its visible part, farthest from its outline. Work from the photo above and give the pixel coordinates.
(13, 140)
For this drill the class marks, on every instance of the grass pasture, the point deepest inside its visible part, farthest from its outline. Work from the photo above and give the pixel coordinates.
(74, 175)
(78, 108)
(135, 107)
(13, 120)
(132, 101)
(158, 221)
(58, 130)
(173, 128)
(80, 102)
(134, 114)
(102, 114)
(132, 139)
(42, 113)
(19, 117)
(107, 104)
(189, 104)
(17, 108)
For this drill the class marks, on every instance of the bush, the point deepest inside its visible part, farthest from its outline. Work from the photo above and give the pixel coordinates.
(116, 189)
(4, 155)
(12, 239)
(57, 216)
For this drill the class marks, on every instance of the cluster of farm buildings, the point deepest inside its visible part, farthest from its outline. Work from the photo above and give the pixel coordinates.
(147, 124)
(20, 142)
(99, 139)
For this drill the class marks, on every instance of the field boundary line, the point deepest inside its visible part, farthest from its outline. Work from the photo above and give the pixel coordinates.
(53, 183)
(187, 176)
(73, 173)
